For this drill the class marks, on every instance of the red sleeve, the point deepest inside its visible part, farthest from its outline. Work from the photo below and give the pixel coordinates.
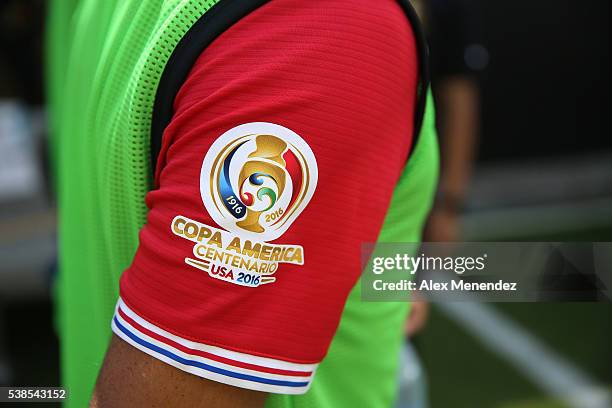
(286, 143)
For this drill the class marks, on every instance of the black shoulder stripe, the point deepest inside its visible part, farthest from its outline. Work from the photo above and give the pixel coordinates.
(212, 24)
(424, 75)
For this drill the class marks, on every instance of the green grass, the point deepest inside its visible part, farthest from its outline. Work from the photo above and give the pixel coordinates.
(463, 374)
(533, 404)
(580, 332)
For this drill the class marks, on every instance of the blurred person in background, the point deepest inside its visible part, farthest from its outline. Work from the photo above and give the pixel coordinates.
(457, 59)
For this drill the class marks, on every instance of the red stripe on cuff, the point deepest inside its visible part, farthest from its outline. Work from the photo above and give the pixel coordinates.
(210, 356)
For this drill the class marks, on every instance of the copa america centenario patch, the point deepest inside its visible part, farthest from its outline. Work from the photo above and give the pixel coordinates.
(256, 179)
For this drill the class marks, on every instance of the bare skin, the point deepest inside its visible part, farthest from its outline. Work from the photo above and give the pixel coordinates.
(458, 105)
(417, 319)
(131, 378)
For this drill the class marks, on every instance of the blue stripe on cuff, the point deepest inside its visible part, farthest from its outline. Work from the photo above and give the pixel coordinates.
(203, 366)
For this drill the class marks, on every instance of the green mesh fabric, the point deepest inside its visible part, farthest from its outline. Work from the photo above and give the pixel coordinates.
(105, 61)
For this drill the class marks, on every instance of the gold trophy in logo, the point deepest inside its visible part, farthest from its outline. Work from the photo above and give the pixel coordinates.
(265, 162)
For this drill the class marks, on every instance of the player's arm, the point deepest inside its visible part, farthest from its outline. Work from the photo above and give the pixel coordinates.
(287, 140)
(130, 378)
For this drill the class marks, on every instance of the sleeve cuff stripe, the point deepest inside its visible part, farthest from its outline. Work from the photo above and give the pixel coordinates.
(206, 364)
(209, 356)
(218, 351)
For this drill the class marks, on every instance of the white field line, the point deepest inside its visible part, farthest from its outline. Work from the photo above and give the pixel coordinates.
(551, 372)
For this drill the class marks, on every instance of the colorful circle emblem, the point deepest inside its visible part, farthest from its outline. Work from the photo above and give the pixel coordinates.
(256, 179)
